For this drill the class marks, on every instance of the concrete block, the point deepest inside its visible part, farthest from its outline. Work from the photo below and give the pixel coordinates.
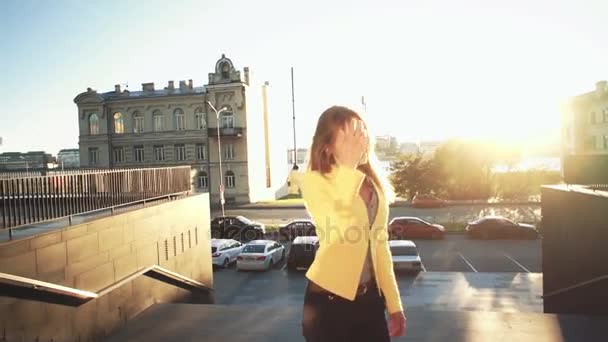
(83, 322)
(134, 308)
(83, 247)
(143, 241)
(97, 278)
(147, 255)
(76, 268)
(45, 240)
(73, 232)
(55, 277)
(26, 317)
(110, 238)
(148, 226)
(119, 296)
(127, 233)
(51, 258)
(10, 249)
(106, 319)
(58, 325)
(23, 265)
(125, 266)
(101, 224)
(119, 251)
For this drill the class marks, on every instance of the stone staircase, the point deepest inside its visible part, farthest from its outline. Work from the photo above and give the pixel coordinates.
(266, 323)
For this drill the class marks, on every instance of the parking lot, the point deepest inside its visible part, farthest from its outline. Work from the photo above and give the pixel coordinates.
(456, 213)
(457, 253)
(459, 274)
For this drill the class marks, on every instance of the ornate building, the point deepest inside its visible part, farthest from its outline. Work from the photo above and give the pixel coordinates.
(585, 122)
(175, 125)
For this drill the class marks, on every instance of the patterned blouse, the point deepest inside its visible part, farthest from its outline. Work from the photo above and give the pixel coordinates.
(370, 197)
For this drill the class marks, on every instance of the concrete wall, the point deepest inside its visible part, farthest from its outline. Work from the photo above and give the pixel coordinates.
(92, 256)
(575, 235)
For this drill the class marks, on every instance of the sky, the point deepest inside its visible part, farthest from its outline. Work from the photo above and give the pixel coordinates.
(428, 69)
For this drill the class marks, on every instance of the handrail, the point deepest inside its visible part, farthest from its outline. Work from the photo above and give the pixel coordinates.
(576, 286)
(32, 289)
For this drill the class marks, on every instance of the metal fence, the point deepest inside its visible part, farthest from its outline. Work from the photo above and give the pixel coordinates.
(28, 200)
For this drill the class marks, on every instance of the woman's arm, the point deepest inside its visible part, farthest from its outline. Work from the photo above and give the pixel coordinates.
(386, 274)
(330, 202)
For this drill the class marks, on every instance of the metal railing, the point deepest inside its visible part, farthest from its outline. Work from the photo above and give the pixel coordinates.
(31, 289)
(576, 286)
(30, 200)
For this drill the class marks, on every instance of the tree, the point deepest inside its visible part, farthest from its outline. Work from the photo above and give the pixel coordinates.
(413, 173)
(464, 169)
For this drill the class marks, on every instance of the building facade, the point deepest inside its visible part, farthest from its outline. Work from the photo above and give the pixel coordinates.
(301, 159)
(68, 158)
(28, 161)
(584, 128)
(175, 125)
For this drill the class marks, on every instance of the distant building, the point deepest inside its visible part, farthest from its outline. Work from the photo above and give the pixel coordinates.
(29, 161)
(429, 146)
(301, 159)
(409, 148)
(584, 126)
(68, 158)
(174, 125)
(386, 146)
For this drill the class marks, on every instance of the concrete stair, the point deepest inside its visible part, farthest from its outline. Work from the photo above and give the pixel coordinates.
(257, 323)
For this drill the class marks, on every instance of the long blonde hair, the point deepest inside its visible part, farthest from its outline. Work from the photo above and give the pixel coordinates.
(322, 158)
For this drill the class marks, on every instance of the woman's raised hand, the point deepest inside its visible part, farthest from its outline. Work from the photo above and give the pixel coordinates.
(351, 144)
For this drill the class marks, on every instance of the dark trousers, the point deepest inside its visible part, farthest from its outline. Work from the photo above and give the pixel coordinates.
(328, 318)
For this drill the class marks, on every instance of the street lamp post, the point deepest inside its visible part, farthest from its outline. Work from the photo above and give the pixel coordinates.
(219, 154)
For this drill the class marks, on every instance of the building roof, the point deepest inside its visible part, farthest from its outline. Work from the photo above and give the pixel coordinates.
(111, 95)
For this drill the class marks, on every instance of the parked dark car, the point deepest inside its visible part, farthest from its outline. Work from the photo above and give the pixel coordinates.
(496, 227)
(406, 227)
(427, 201)
(302, 252)
(297, 228)
(238, 228)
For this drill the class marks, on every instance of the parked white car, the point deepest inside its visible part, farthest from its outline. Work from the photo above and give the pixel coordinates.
(260, 255)
(405, 255)
(225, 251)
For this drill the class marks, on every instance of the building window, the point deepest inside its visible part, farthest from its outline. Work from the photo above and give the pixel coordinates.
(139, 154)
(93, 124)
(119, 123)
(119, 154)
(592, 118)
(230, 180)
(606, 142)
(180, 152)
(199, 117)
(605, 112)
(203, 180)
(225, 71)
(180, 123)
(229, 151)
(159, 153)
(138, 123)
(93, 155)
(227, 120)
(159, 122)
(201, 152)
(591, 145)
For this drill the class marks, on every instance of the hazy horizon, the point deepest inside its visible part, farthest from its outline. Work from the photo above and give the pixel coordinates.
(429, 70)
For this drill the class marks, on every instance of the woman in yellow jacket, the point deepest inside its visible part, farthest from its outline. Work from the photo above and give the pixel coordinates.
(351, 281)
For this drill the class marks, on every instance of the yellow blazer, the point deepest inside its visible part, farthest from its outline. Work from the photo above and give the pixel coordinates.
(343, 227)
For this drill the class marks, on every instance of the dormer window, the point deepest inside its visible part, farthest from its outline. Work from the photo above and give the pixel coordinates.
(225, 71)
